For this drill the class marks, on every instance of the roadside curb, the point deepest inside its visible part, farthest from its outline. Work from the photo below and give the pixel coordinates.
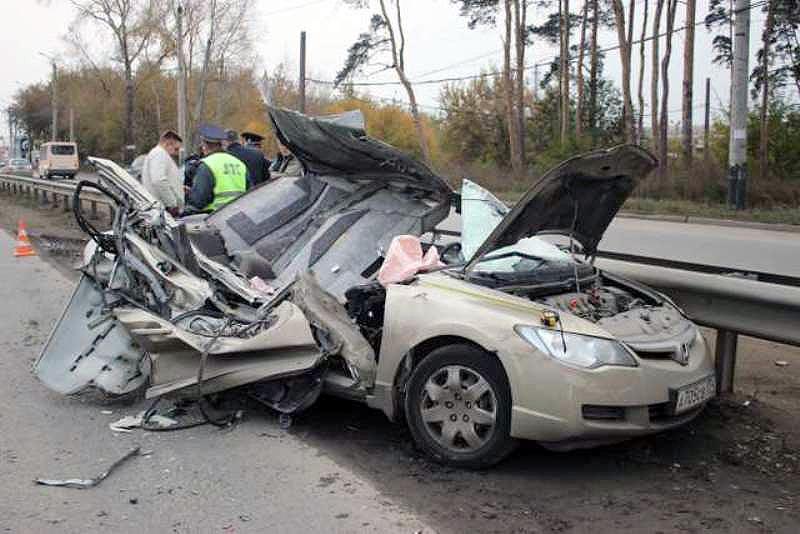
(690, 219)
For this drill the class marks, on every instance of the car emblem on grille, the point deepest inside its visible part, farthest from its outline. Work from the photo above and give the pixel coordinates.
(682, 354)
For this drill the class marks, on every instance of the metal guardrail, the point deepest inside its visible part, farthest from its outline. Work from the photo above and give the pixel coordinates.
(732, 301)
(48, 191)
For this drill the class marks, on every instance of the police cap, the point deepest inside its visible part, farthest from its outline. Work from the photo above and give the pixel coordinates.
(252, 137)
(211, 133)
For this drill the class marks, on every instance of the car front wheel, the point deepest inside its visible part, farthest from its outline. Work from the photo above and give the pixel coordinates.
(458, 407)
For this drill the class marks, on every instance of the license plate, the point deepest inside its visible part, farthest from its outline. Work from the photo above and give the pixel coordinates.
(694, 394)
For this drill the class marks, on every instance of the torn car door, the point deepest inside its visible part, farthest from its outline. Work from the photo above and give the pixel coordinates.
(89, 348)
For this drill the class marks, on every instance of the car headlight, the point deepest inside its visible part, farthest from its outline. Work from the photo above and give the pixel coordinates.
(574, 349)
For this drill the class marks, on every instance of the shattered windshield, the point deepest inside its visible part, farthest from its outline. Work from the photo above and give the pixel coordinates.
(481, 212)
(526, 255)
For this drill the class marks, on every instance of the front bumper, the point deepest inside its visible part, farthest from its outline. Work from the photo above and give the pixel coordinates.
(552, 407)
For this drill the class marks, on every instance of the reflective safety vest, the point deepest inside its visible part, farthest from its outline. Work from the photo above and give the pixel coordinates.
(230, 178)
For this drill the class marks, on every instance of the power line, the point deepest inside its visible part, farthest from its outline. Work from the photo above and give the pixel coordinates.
(462, 62)
(293, 8)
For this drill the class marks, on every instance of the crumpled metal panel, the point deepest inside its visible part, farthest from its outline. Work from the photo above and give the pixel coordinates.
(342, 335)
(285, 347)
(88, 349)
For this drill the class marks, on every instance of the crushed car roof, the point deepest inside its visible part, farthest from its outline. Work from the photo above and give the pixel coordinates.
(326, 147)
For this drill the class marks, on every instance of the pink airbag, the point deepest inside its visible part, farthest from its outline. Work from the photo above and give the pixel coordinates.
(405, 259)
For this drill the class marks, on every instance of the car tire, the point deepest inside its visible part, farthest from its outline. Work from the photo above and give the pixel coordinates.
(459, 439)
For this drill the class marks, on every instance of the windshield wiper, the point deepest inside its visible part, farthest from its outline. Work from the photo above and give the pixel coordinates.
(512, 254)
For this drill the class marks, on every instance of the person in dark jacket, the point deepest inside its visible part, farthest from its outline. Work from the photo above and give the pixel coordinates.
(257, 164)
(190, 169)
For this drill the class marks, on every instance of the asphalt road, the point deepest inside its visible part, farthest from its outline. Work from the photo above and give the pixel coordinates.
(253, 478)
(739, 247)
(727, 246)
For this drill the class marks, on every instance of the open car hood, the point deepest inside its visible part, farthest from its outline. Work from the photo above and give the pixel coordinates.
(579, 197)
(330, 147)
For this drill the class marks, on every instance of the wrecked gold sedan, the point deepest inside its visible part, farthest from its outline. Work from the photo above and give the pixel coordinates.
(308, 284)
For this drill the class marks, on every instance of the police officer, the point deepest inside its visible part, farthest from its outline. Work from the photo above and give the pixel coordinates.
(220, 177)
(257, 164)
(253, 140)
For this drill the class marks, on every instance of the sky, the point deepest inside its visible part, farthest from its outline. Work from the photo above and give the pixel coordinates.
(439, 44)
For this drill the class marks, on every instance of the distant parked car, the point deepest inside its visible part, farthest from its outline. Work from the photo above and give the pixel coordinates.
(17, 166)
(58, 159)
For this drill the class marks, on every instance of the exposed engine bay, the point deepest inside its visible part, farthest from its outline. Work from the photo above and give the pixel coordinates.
(633, 314)
(595, 303)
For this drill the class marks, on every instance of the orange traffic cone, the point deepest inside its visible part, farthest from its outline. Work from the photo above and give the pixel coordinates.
(23, 247)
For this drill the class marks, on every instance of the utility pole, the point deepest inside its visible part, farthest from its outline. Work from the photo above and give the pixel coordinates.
(54, 103)
(181, 86)
(11, 140)
(707, 125)
(302, 104)
(737, 164)
(71, 125)
(687, 123)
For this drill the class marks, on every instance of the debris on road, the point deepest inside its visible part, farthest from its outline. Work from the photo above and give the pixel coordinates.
(781, 363)
(182, 415)
(83, 483)
(130, 422)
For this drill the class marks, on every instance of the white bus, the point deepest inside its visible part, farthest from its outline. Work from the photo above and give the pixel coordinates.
(58, 159)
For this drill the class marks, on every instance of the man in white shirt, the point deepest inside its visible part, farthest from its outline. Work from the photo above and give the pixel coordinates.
(160, 173)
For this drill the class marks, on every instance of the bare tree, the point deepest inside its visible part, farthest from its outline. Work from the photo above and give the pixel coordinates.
(642, 39)
(763, 147)
(663, 144)
(579, 79)
(132, 26)
(564, 67)
(624, 35)
(200, 102)
(216, 33)
(654, 123)
(508, 92)
(688, 83)
(515, 30)
(594, 66)
(520, 34)
(386, 36)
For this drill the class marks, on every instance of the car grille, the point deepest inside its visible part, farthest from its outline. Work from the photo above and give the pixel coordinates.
(603, 413)
(668, 352)
(660, 355)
